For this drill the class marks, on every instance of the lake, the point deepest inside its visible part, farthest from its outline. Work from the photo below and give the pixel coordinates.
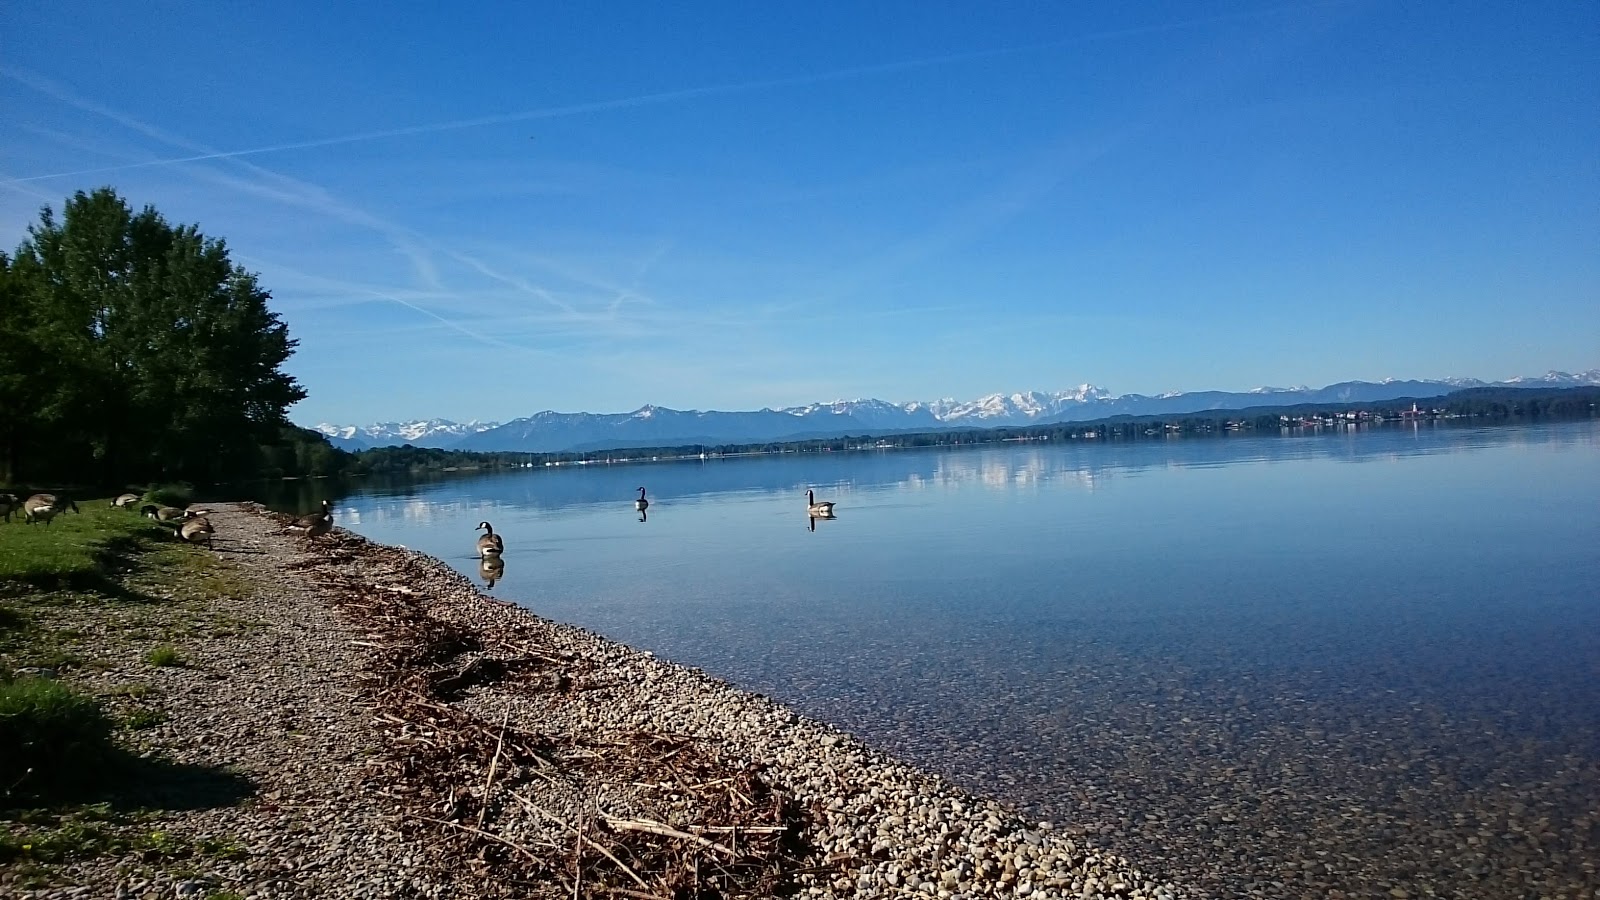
(1275, 666)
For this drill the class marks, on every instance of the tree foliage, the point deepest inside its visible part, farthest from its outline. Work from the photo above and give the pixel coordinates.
(135, 349)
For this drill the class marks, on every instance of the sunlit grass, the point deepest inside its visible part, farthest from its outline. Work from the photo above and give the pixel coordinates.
(76, 550)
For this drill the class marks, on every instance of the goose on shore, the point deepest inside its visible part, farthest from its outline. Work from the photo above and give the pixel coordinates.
(490, 544)
(124, 501)
(164, 514)
(641, 504)
(8, 505)
(44, 507)
(821, 510)
(197, 530)
(315, 524)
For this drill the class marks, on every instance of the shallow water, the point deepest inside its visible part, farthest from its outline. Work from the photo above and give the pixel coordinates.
(1288, 665)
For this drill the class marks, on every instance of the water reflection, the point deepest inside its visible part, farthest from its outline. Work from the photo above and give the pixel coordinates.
(491, 569)
(811, 520)
(1198, 624)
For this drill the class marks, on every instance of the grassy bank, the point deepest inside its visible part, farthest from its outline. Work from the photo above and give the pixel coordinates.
(89, 605)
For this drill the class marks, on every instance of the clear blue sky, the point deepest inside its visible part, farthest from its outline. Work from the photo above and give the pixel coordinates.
(484, 211)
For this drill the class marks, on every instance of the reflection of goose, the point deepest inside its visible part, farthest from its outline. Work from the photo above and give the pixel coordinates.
(315, 524)
(490, 544)
(641, 504)
(491, 569)
(823, 510)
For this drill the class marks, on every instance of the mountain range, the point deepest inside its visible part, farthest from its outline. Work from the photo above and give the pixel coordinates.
(656, 426)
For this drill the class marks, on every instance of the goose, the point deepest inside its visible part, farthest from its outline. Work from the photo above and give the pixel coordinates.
(821, 510)
(490, 544)
(164, 514)
(124, 501)
(316, 524)
(44, 507)
(196, 530)
(491, 569)
(641, 504)
(9, 504)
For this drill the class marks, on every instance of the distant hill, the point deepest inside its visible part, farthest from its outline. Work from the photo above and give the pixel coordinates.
(656, 426)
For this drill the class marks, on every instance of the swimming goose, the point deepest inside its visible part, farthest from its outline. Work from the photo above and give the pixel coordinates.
(196, 530)
(490, 543)
(316, 524)
(123, 501)
(641, 504)
(821, 510)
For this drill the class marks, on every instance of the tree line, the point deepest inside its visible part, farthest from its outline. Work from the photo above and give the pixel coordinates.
(134, 350)
(1494, 404)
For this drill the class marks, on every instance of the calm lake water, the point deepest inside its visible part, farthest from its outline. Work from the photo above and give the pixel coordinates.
(1355, 661)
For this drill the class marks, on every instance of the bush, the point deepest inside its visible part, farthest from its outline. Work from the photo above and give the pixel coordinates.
(165, 655)
(51, 737)
(179, 495)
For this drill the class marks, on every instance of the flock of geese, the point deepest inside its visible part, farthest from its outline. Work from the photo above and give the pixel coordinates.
(37, 508)
(192, 525)
(492, 546)
(189, 525)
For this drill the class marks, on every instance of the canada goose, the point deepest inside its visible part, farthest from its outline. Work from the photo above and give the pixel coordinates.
(164, 514)
(196, 530)
(823, 510)
(641, 504)
(9, 504)
(491, 569)
(123, 501)
(490, 544)
(316, 524)
(44, 507)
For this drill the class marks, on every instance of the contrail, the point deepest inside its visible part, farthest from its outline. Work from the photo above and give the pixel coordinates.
(575, 109)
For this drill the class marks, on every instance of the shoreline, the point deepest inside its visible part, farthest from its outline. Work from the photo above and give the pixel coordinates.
(840, 818)
(360, 720)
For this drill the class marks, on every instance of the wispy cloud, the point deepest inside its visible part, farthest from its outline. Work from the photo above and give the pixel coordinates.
(204, 154)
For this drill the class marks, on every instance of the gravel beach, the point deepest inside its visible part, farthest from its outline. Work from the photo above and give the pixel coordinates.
(390, 731)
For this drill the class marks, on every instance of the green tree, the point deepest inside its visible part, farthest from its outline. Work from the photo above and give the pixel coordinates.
(160, 358)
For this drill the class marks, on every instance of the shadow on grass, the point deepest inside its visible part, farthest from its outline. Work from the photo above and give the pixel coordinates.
(98, 573)
(126, 783)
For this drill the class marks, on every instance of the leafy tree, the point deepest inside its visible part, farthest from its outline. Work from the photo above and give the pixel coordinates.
(154, 355)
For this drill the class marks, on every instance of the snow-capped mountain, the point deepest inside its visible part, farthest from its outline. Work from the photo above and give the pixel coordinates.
(425, 433)
(657, 426)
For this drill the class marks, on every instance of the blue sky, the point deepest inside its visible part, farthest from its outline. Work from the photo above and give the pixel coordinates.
(485, 211)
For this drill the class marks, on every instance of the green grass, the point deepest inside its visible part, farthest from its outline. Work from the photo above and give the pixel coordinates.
(54, 737)
(76, 551)
(143, 717)
(165, 655)
(43, 836)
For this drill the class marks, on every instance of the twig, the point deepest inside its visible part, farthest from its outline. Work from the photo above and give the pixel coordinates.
(481, 833)
(577, 861)
(488, 783)
(541, 811)
(666, 831)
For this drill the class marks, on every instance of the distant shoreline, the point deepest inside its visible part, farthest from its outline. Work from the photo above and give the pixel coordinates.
(1494, 406)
